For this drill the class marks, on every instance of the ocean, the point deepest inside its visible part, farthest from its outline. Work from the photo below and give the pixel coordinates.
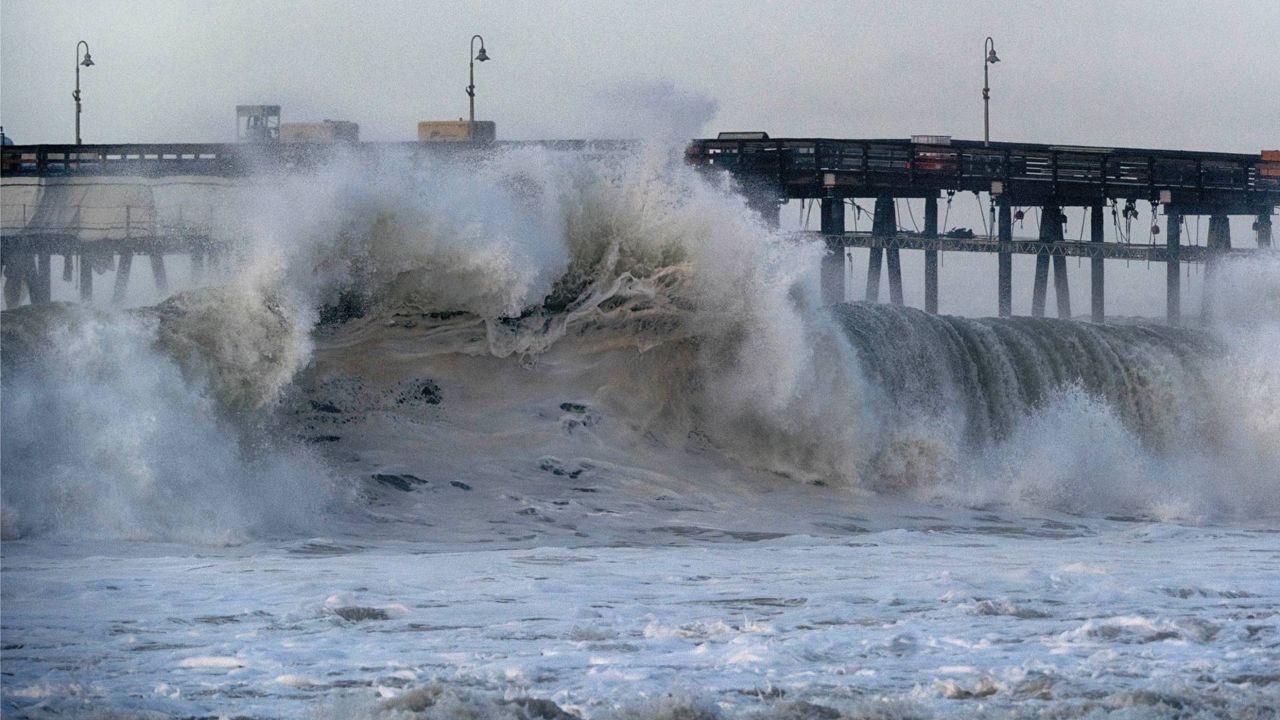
(571, 434)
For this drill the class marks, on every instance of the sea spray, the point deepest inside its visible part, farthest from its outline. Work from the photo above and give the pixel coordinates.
(106, 436)
(638, 285)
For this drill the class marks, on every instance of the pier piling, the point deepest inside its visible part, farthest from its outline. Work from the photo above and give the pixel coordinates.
(158, 274)
(831, 213)
(122, 277)
(86, 277)
(1173, 268)
(884, 225)
(1040, 285)
(1004, 288)
(1219, 241)
(1060, 288)
(1097, 278)
(18, 271)
(931, 256)
(41, 288)
(1050, 233)
(893, 263)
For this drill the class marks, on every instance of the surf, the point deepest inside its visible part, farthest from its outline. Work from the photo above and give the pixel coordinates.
(635, 288)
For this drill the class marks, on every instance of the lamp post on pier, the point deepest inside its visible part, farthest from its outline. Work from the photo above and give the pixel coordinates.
(87, 61)
(988, 58)
(471, 88)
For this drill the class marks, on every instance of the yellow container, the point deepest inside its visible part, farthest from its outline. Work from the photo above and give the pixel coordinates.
(456, 131)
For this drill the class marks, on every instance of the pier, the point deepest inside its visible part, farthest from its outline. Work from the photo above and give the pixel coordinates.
(100, 206)
(833, 173)
(93, 208)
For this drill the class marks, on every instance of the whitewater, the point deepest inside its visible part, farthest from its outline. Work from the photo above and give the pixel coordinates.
(571, 434)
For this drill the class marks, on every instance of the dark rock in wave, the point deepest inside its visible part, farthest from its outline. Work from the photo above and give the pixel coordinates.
(421, 391)
(403, 482)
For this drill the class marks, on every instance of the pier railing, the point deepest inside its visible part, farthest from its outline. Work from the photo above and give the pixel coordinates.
(237, 159)
(1029, 173)
(1150, 252)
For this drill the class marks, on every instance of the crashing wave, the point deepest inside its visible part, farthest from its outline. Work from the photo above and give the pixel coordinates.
(650, 288)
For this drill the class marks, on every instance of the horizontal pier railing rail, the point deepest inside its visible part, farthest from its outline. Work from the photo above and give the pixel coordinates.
(1029, 246)
(238, 159)
(1028, 174)
(154, 159)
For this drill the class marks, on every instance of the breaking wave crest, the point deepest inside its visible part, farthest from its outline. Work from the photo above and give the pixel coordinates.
(1124, 419)
(656, 293)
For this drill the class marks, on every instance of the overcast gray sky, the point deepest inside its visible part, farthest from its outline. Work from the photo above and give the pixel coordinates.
(1195, 75)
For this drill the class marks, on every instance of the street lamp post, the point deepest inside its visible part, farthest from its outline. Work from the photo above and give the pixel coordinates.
(87, 62)
(471, 88)
(988, 58)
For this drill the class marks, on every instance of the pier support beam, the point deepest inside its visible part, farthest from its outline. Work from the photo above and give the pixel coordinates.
(41, 284)
(893, 262)
(1097, 278)
(122, 277)
(1173, 269)
(68, 267)
(1050, 232)
(18, 269)
(86, 277)
(931, 256)
(832, 277)
(158, 274)
(884, 225)
(1264, 230)
(1061, 291)
(1219, 241)
(1005, 283)
(12, 289)
(892, 258)
(1040, 286)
